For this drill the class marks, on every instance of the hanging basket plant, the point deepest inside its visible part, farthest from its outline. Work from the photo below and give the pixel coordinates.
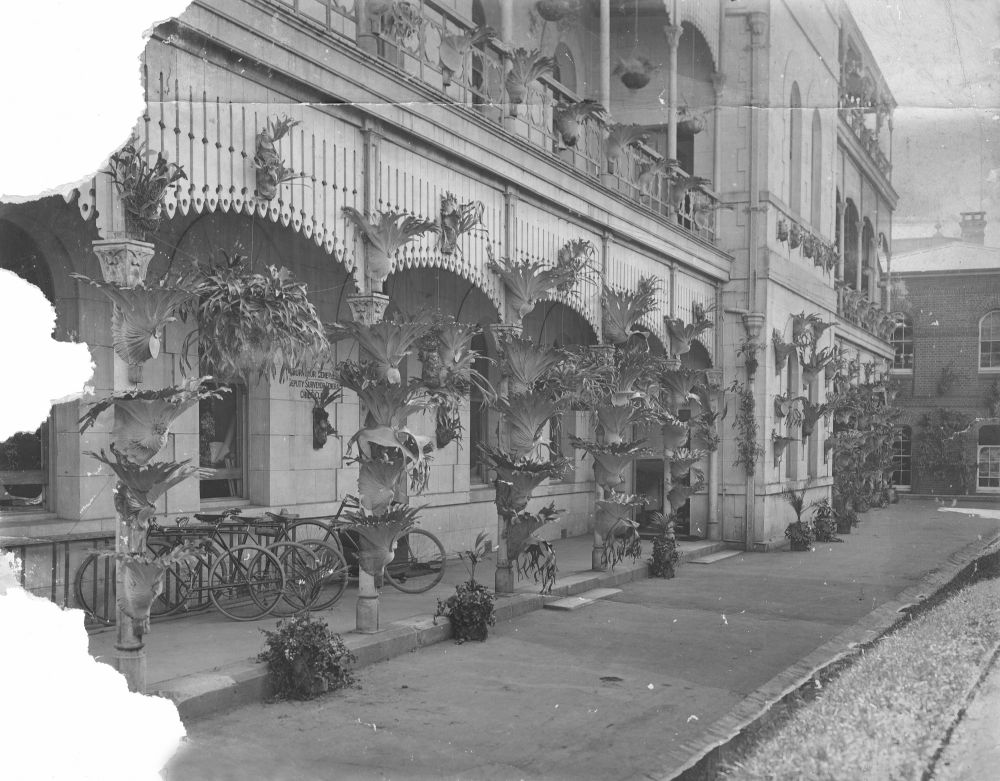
(778, 445)
(618, 530)
(517, 478)
(270, 168)
(675, 433)
(384, 237)
(143, 581)
(811, 413)
(623, 310)
(794, 235)
(817, 362)
(377, 534)
(387, 343)
(802, 323)
(526, 68)
(689, 121)
(141, 185)
(568, 118)
(255, 325)
(635, 72)
(322, 428)
(782, 230)
(557, 10)
(453, 53)
(523, 365)
(532, 556)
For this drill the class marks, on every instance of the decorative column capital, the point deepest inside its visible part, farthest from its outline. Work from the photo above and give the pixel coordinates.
(757, 24)
(124, 262)
(368, 308)
(673, 33)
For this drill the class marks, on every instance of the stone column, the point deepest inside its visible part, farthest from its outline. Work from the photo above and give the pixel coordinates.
(673, 33)
(841, 209)
(718, 84)
(605, 35)
(507, 20)
(124, 261)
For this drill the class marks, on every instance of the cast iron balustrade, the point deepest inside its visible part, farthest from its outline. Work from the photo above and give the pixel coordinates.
(408, 36)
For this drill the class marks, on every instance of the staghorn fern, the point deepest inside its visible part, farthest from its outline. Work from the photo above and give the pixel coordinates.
(524, 365)
(620, 136)
(623, 310)
(568, 116)
(682, 334)
(455, 49)
(527, 417)
(385, 236)
(527, 282)
(388, 342)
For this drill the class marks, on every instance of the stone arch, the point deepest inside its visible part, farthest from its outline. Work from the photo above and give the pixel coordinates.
(451, 293)
(566, 68)
(20, 254)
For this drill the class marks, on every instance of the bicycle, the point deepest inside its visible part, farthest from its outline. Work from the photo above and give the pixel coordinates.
(418, 562)
(245, 581)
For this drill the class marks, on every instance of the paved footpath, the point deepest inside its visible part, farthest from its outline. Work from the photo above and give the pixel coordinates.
(638, 685)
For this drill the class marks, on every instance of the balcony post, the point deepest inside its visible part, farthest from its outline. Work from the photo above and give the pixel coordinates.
(718, 85)
(673, 33)
(606, 54)
(507, 20)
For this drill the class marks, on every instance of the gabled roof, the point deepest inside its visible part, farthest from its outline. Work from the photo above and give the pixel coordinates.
(953, 256)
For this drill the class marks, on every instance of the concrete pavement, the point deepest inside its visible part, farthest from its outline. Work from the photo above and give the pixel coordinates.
(649, 683)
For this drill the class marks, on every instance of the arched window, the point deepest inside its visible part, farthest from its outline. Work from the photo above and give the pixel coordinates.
(902, 345)
(816, 175)
(989, 459)
(989, 340)
(850, 244)
(565, 70)
(795, 150)
(902, 458)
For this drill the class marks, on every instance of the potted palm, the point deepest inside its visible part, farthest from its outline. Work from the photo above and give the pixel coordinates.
(526, 67)
(384, 237)
(665, 555)
(800, 532)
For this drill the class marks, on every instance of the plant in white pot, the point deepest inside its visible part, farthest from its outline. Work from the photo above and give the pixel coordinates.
(526, 67)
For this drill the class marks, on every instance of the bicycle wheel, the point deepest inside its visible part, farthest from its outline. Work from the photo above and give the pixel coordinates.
(331, 576)
(301, 531)
(299, 565)
(95, 588)
(418, 564)
(246, 582)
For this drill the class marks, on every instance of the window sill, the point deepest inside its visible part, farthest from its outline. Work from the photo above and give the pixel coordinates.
(989, 369)
(224, 504)
(901, 372)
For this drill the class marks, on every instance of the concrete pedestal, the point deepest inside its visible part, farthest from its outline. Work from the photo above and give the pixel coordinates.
(597, 563)
(367, 607)
(504, 578)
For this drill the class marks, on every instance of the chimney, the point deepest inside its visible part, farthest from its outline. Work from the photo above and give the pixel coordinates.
(974, 227)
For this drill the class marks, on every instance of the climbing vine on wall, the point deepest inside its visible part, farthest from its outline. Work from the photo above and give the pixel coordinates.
(748, 449)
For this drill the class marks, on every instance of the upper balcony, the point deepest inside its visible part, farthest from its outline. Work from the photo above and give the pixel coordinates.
(645, 152)
(865, 102)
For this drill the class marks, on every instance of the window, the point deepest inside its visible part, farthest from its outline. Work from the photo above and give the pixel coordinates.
(795, 151)
(816, 177)
(989, 459)
(221, 443)
(902, 346)
(902, 464)
(989, 341)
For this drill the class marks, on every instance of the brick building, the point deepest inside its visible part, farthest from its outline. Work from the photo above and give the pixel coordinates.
(947, 356)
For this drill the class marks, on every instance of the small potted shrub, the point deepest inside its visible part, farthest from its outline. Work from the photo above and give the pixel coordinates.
(305, 659)
(825, 522)
(665, 555)
(800, 533)
(470, 609)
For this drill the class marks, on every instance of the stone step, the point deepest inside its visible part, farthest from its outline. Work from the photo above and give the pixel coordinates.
(717, 556)
(586, 598)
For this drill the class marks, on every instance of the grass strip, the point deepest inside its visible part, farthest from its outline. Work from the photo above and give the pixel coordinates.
(886, 715)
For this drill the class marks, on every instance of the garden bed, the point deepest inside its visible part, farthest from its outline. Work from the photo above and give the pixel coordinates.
(887, 713)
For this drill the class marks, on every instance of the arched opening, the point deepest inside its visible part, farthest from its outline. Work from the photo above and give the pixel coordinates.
(697, 357)
(20, 254)
(440, 290)
(869, 274)
(989, 340)
(795, 150)
(553, 323)
(565, 68)
(850, 238)
(816, 175)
